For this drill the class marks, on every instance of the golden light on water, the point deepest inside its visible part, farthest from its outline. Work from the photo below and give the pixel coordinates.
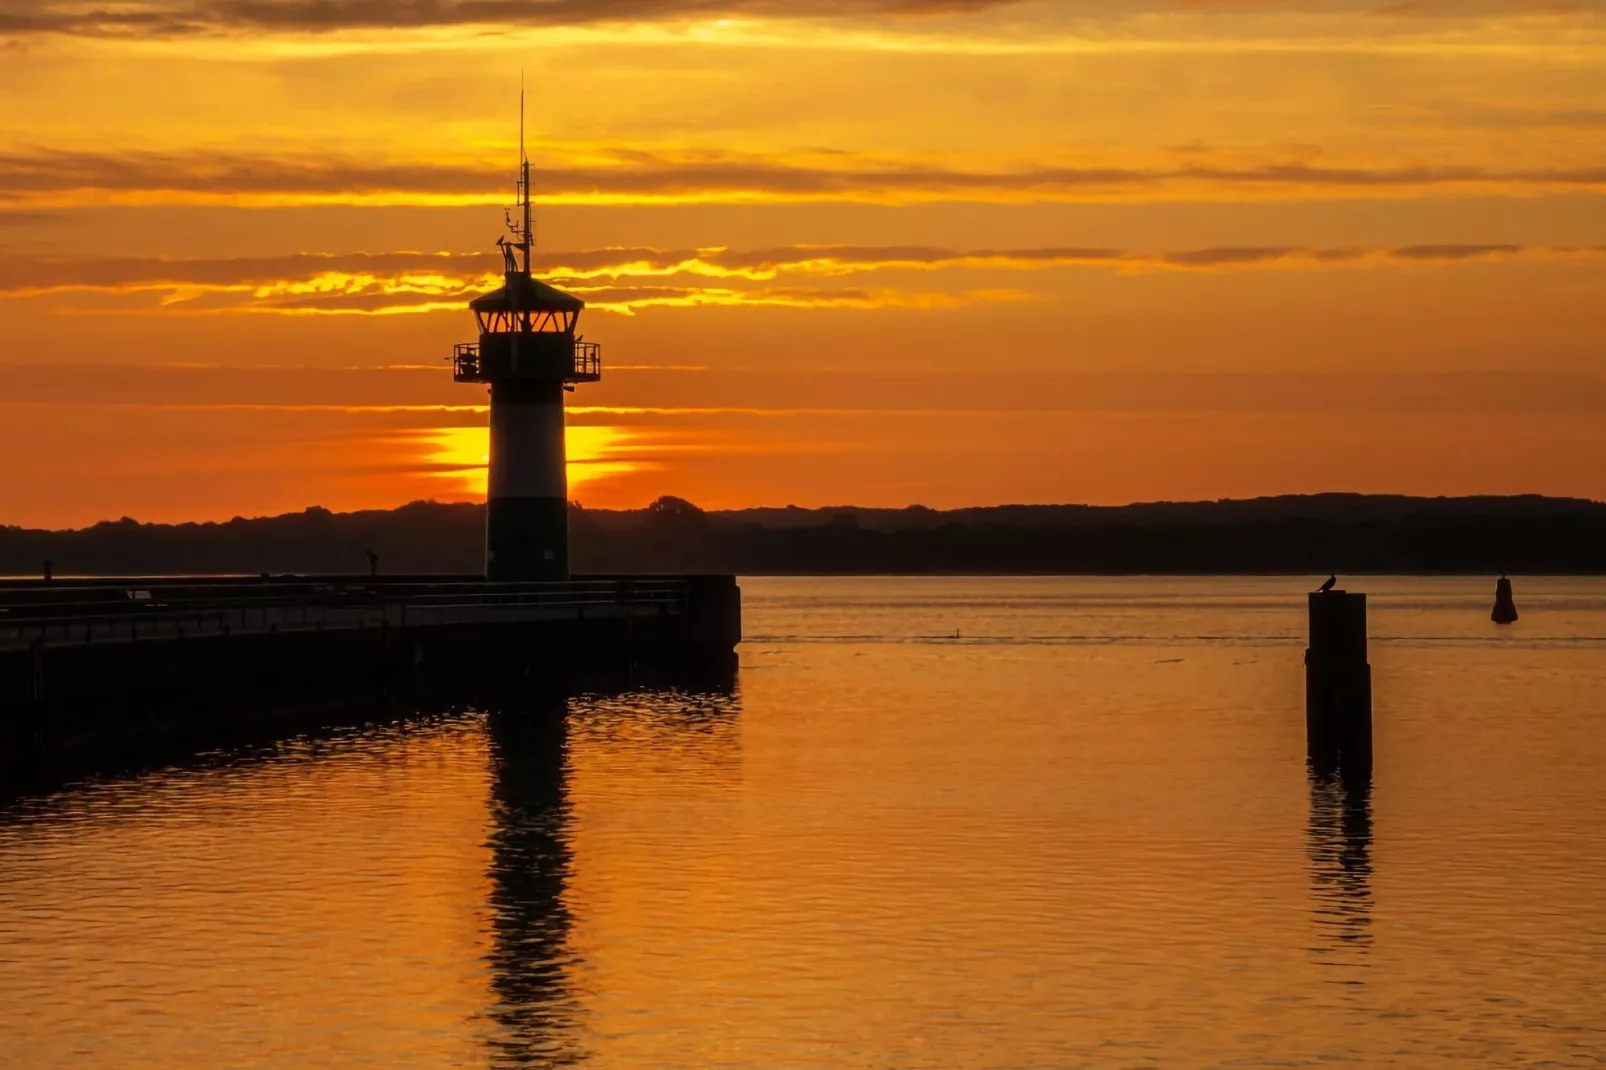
(461, 455)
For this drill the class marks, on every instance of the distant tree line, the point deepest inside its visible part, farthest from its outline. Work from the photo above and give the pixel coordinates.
(1309, 534)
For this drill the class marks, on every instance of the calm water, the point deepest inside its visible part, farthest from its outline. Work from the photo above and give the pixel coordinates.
(937, 822)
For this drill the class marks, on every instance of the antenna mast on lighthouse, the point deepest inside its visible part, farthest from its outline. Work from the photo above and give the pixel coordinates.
(527, 233)
(522, 228)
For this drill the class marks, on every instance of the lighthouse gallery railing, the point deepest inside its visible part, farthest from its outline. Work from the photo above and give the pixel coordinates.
(466, 359)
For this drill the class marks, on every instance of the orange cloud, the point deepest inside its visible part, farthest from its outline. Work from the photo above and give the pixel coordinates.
(173, 18)
(60, 177)
(181, 18)
(403, 282)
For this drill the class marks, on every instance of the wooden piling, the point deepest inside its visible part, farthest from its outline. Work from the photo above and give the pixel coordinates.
(1338, 684)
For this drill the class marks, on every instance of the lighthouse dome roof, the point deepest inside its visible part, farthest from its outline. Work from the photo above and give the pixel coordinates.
(525, 294)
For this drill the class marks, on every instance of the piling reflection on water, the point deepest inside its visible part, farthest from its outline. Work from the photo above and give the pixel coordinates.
(1339, 849)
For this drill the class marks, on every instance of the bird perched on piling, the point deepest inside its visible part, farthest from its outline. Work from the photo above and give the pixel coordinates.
(1328, 586)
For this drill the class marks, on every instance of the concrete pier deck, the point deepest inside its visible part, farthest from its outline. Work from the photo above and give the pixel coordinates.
(90, 656)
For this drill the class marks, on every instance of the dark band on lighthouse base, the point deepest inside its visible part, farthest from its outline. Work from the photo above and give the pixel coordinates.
(527, 539)
(527, 508)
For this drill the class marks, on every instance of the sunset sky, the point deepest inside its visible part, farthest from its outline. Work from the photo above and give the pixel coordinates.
(952, 252)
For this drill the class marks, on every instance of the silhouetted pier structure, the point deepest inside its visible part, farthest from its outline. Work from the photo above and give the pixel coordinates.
(1338, 684)
(70, 646)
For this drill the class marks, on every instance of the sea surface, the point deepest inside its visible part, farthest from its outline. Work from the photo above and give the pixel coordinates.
(943, 822)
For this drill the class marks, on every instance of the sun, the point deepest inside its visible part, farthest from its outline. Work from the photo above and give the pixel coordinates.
(462, 455)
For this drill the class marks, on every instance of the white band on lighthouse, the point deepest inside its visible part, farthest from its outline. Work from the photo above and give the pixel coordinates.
(527, 451)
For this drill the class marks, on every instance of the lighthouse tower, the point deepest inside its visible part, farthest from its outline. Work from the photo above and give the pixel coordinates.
(529, 355)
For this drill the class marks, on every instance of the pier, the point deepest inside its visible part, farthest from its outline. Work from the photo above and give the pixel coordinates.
(77, 656)
(92, 660)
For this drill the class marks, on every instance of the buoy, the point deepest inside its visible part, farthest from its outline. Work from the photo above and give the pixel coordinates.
(1505, 610)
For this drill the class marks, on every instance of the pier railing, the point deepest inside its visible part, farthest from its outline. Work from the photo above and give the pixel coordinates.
(132, 610)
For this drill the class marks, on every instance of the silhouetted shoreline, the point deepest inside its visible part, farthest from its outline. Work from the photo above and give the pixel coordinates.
(1296, 534)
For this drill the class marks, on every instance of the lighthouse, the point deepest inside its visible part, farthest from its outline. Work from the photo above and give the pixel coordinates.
(529, 355)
